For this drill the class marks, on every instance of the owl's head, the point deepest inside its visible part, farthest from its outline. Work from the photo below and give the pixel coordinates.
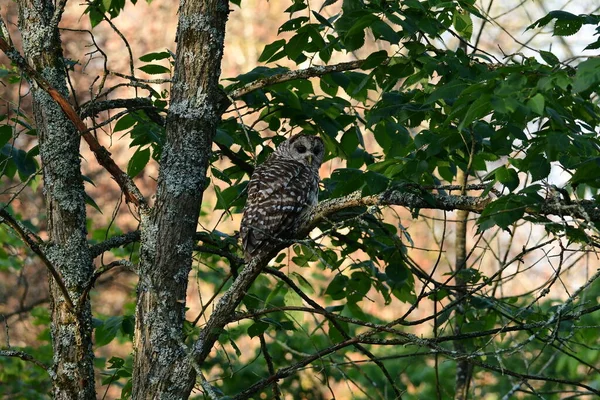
(306, 149)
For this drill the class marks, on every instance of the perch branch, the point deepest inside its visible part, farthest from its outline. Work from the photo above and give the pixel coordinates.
(131, 191)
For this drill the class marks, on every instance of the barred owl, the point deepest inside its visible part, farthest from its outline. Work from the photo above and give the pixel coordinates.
(279, 191)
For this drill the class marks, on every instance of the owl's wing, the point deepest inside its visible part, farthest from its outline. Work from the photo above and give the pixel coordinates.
(277, 193)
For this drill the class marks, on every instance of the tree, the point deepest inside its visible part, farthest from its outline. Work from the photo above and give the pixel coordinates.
(418, 124)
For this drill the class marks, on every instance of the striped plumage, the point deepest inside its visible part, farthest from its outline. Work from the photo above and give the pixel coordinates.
(280, 189)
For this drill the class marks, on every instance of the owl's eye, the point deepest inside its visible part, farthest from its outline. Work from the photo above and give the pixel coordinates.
(316, 151)
(301, 149)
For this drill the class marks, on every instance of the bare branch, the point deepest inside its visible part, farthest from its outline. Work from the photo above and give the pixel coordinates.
(24, 309)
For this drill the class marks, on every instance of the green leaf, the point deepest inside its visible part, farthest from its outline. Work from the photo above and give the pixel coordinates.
(346, 181)
(237, 350)
(374, 60)
(257, 329)
(550, 58)
(91, 202)
(536, 104)
(95, 16)
(381, 30)
(125, 122)
(229, 197)
(508, 177)
(155, 56)
(448, 92)
(587, 75)
(293, 24)
(334, 333)
(271, 49)
(292, 299)
(296, 45)
(506, 210)
(138, 161)
(24, 162)
(322, 19)
(337, 288)
(106, 332)
(155, 69)
(5, 134)
(375, 183)
(396, 270)
(567, 27)
(539, 167)
(478, 109)
(463, 24)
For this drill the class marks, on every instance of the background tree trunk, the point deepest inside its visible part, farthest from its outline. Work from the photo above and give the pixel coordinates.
(160, 364)
(65, 206)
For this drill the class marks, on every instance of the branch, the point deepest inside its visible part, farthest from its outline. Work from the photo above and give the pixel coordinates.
(35, 244)
(24, 309)
(287, 371)
(327, 208)
(114, 242)
(26, 357)
(585, 209)
(99, 272)
(270, 367)
(293, 75)
(131, 191)
(92, 108)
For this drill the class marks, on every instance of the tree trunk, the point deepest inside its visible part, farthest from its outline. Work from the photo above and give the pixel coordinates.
(463, 368)
(161, 367)
(65, 206)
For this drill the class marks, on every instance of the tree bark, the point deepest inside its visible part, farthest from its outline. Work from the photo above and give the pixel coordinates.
(65, 206)
(161, 367)
(463, 367)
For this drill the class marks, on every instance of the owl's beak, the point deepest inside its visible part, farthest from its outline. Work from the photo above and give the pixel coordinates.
(309, 158)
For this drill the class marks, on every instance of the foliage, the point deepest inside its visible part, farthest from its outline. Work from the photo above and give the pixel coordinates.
(411, 116)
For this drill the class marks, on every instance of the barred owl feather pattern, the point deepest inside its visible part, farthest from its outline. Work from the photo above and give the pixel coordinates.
(279, 191)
